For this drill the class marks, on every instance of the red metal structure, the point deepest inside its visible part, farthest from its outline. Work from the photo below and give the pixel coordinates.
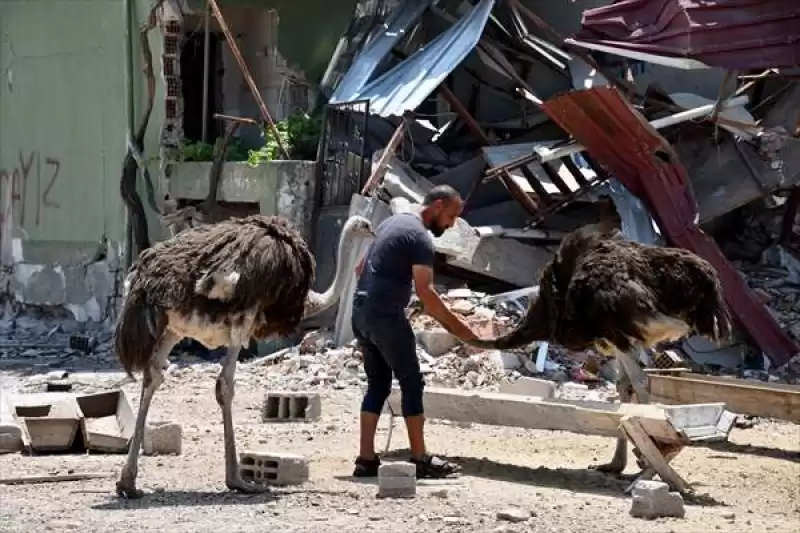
(632, 151)
(731, 34)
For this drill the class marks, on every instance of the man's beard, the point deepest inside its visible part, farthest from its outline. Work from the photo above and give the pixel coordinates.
(436, 229)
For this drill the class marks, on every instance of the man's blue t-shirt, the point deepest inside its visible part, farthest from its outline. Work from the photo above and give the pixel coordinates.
(401, 241)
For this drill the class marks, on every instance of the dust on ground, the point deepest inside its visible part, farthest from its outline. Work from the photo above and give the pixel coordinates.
(751, 483)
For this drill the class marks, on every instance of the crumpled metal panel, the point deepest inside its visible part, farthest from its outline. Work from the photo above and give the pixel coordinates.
(405, 87)
(632, 151)
(369, 58)
(731, 34)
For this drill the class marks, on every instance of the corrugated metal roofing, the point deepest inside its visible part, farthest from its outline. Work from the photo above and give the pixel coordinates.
(633, 152)
(732, 34)
(377, 48)
(404, 87)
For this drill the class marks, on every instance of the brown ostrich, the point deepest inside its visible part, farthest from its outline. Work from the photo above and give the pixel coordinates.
(614, 295)
(221, 285)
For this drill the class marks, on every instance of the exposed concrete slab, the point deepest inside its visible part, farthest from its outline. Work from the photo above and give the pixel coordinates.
(504, 259)
(584, 417)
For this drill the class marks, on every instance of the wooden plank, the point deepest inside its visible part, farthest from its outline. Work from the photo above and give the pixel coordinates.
(498, 409)
(652, 455)
(740, 396)
(28, 480)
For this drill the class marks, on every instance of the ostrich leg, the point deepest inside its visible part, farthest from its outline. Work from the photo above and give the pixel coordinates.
(225, 393)
(630, 379)
(152, 378)
(620, 459)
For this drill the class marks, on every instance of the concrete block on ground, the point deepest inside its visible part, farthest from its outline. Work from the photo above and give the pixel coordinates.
(10, 437)
(290, 406)
(541, 388)
(437, 341)
(273, 468)
(162, 438)
(397, 480)
(652, 499)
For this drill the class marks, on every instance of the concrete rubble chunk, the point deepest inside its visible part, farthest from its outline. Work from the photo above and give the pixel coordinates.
(526, 386)
(162, 438)
(10, 442)
(505, 360)
(437, 341)
(513, 514)
(397, 480)
(652, 499)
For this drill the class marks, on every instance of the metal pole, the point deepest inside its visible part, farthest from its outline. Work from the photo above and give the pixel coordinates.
(206, 58)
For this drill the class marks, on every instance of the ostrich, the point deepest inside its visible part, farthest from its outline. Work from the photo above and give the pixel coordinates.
(221, 285)
(615, 295)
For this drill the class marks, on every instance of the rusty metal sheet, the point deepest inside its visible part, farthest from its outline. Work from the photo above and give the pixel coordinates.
(633, 152)
(732, 34)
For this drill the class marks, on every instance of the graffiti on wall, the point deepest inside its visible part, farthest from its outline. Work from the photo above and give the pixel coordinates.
(31, 178)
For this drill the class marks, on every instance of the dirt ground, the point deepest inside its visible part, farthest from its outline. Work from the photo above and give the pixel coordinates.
(750, 484)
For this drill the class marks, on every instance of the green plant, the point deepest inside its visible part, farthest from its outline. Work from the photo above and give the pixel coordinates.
(202, 151)
(299, 133)
(196, 151)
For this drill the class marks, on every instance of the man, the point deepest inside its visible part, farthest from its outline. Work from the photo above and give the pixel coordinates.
(402, 251)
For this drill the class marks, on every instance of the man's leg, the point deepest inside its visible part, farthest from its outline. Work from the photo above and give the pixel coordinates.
(379, 385)
(399, 347)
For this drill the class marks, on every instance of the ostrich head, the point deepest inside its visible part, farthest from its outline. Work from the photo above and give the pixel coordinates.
(355, 229)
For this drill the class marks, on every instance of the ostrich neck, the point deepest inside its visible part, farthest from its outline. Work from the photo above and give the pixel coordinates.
(318, 302)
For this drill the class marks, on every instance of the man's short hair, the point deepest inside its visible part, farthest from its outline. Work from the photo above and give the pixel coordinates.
(440, 192)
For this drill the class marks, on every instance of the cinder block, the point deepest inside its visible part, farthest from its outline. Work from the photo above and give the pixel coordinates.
(540, 388)
(273, 468)
(652, 499)
(397, 480)
(291, 406)
(162, 438)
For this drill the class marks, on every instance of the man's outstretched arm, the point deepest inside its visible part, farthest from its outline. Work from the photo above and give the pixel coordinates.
(434, 306)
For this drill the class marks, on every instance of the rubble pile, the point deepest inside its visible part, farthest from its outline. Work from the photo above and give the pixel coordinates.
(37, 340)
(445, 361)
(771, 269)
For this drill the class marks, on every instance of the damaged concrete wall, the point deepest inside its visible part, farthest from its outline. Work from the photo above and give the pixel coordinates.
(62, 136)
(276, 187)
(273, 37)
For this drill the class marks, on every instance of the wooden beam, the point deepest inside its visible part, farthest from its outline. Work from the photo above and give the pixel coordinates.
(513, 188)
(739, 396)
(248, 77)
(380, 168)
(635, 431)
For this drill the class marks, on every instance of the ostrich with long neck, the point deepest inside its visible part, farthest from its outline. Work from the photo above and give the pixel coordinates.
(221, 285)
(605, 292)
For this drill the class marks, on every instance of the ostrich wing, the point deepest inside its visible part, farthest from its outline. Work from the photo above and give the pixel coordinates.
(607, 299)
(234, 266)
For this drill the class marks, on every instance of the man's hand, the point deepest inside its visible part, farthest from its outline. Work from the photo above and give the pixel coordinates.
(434, 306)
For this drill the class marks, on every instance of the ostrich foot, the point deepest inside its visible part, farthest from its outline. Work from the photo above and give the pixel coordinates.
(613, 467)
(618, 462)
(239, 485)
(128, 490)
